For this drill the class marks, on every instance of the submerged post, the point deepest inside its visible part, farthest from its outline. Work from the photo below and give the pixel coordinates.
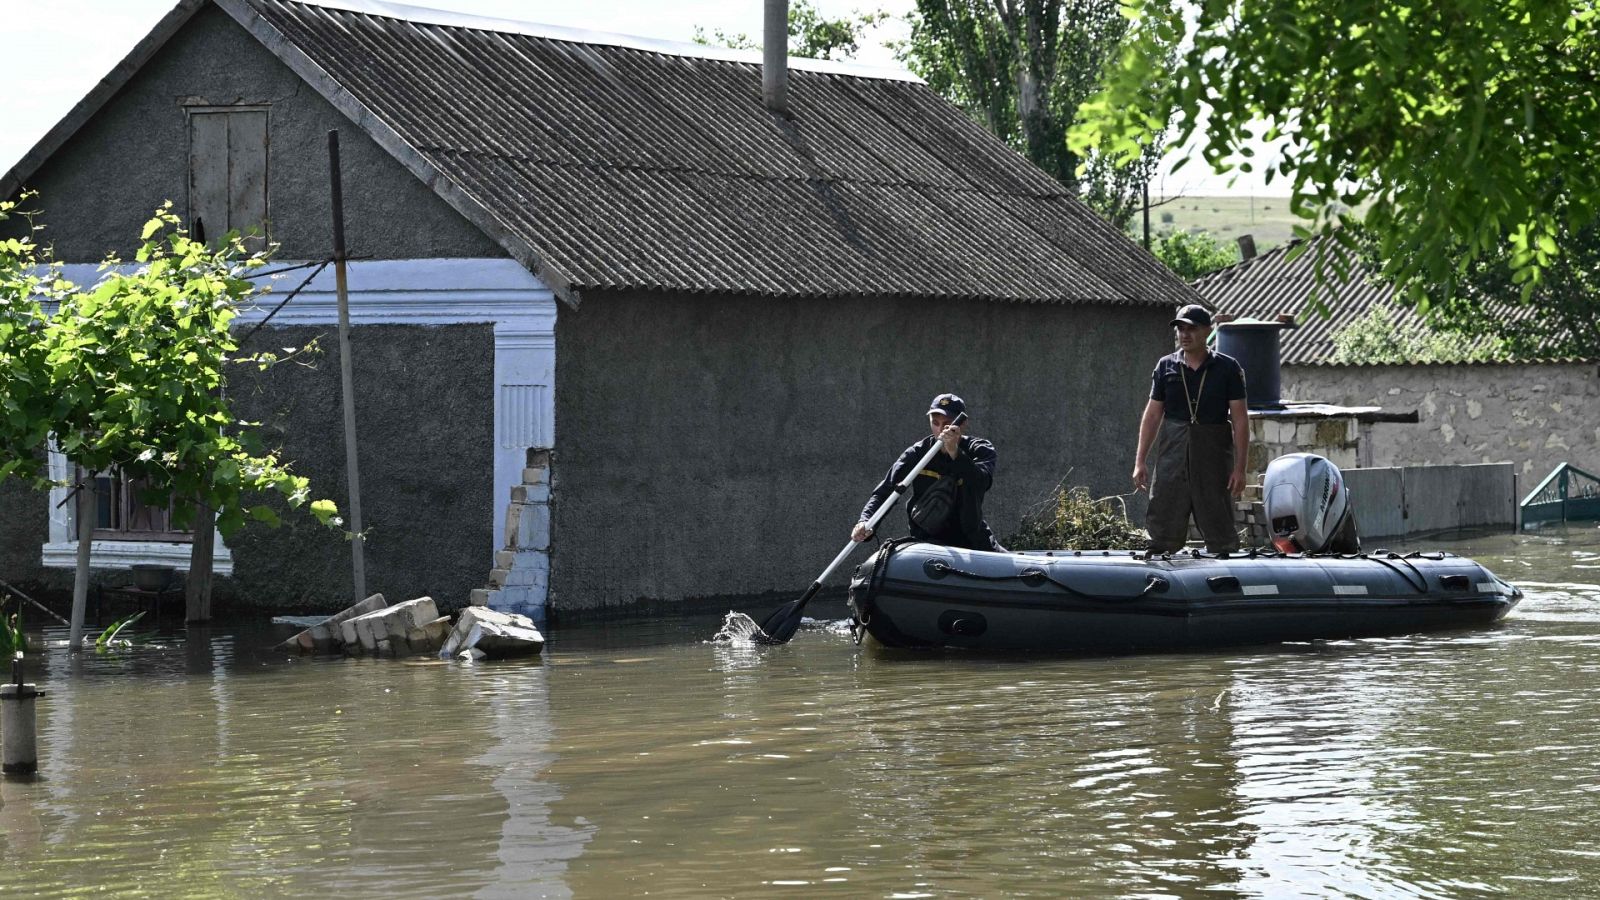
(19, 746)
(346, 378)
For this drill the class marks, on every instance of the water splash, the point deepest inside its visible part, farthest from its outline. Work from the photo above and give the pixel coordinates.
(737, 628)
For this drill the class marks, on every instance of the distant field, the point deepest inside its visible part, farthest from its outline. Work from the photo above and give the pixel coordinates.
(1266, 218)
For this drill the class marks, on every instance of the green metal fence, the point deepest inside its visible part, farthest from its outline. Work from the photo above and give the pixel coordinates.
(1569, 493)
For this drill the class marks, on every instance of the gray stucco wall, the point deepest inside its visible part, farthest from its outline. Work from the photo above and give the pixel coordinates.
(100, 188)
(1535, 416)
(424, 413)
(24, 527)
(723, 447)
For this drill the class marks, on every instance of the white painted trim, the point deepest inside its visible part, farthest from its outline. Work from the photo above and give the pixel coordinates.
(127, 554)
(427, 16)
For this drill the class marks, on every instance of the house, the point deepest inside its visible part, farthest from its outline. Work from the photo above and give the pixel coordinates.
(1526, 413)
(698, 328)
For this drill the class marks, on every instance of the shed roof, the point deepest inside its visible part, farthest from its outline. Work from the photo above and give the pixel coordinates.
(604, 162)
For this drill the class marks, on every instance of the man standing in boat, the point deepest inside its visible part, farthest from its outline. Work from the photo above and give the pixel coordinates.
(1198, 423)
(946, 502)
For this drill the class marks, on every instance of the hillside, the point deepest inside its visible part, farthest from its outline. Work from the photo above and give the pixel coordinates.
(1266, 218)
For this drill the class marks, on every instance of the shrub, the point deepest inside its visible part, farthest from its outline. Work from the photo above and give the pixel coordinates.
(1069, 519)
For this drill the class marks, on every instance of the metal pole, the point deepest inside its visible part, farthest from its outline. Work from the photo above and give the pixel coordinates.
(775, 55)
(346, 379)
(1147, 214)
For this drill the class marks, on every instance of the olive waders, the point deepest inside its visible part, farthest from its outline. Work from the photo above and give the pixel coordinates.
(1193, 462)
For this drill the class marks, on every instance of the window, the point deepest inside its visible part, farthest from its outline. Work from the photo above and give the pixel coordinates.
(228, 171)
(121, 515)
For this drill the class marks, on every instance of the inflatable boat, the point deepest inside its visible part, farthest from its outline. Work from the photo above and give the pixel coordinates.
(925, 595)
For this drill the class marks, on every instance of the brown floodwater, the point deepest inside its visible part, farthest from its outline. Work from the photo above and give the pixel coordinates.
(640, 760)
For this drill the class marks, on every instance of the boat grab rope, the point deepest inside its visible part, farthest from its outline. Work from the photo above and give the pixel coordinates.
(1036, 576)
(880, 562)
(1421, 588)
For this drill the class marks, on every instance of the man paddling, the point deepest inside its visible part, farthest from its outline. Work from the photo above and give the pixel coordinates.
(1197, 420)
(946, 501)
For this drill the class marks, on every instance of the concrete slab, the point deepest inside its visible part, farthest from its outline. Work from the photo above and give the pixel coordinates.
(325, 636)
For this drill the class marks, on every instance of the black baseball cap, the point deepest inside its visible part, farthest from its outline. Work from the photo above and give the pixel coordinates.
(1193, 314)
(947, 404)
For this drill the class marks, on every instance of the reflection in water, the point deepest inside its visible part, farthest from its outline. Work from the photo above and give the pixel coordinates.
(641, 759)
(533, 851)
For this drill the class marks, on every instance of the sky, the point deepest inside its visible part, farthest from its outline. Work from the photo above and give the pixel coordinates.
(58, 49)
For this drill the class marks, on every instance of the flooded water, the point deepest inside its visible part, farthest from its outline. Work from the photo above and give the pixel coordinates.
(638, 760)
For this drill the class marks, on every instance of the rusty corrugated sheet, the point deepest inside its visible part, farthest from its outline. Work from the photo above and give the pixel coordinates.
(622, 168)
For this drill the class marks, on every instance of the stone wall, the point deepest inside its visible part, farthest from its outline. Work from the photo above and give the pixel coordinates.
(1534, 416)
(712, 446)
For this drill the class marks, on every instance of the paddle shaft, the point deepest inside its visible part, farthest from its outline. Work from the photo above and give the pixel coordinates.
(877, 516)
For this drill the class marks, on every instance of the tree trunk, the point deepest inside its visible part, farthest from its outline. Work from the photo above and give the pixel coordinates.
(80, 578)
(197, 588)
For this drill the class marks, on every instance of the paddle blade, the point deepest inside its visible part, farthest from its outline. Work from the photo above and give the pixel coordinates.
(779, 627)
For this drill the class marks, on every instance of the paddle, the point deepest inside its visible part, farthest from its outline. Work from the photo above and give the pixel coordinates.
(781, 625)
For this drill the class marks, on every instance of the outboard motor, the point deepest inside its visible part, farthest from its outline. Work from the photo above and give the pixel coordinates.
(1308, 506)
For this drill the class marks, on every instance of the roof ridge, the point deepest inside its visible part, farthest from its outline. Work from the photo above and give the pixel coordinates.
(450, 19)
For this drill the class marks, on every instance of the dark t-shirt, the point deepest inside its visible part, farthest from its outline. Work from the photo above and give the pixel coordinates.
(1205, 391)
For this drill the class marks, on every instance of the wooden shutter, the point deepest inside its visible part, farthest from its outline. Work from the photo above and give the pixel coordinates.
(228, 171)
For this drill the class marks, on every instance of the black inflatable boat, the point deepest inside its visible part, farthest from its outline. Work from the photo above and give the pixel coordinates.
(925, 595)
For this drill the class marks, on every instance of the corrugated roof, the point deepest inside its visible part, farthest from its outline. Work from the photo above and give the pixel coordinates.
(1267, 285)
(616, 164)
(1270, 284)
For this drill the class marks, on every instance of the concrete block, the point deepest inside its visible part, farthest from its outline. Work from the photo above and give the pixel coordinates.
(481, 597)
(429, 637)
(326, 636)
(519, 494)
(498, 640)
(498, 577)
(535, 475)
(533, 528)
(513, 517)
(392, 623)
(473, 616)
(504, 558)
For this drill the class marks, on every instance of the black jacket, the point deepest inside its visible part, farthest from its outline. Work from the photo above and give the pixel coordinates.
(973, 468)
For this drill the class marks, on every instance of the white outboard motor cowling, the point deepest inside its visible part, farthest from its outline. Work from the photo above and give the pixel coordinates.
(1308, 506)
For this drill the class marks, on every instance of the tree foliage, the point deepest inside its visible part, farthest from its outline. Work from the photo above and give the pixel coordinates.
(1379, 338)
(1564, 321)
(1190, 255)
(1024, 70)
(1461, 128)
(811, 34)
(25, 388)
(130, 374)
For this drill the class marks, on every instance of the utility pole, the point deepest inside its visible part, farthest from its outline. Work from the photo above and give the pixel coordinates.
(346, 378)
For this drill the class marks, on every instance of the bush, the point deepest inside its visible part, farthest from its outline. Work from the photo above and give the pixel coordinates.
(1167, 218)
(1379, 338)
(1191, 255)
(1069, 519)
